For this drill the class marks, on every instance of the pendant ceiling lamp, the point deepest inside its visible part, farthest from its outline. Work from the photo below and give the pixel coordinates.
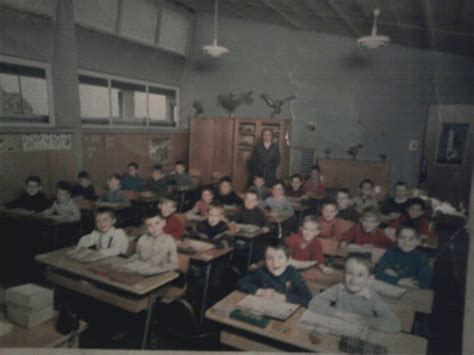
(373, 41)
(214, 50)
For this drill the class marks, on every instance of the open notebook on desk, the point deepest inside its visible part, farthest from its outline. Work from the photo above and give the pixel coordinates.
(85, 255)
(389, 290)
(269, 308)
(191, 246)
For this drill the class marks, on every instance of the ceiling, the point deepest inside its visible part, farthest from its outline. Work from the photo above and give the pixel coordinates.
(442, 25)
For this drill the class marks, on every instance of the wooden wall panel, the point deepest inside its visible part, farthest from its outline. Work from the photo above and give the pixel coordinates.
(201, 147)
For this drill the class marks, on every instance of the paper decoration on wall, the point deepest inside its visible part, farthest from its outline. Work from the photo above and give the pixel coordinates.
(45, 141)
(160, 150)
(10, 143)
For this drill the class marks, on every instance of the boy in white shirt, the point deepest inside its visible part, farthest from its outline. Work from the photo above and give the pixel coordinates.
(107, 240)
(64, 208)
(156, 251)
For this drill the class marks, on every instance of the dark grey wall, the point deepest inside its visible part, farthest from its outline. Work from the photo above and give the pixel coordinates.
(335, 83)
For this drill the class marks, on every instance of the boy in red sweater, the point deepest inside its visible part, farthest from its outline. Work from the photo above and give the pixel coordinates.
(331, 226)
(174, 226)
(304, 245)
(367, 232)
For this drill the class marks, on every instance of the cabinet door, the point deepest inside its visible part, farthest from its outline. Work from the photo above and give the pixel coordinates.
(223, 147)
(201, 147)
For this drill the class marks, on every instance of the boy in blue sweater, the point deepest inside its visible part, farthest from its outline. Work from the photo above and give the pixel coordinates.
(277, 280)
(404, 265)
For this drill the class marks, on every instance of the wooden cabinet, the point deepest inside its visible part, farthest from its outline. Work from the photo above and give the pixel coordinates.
(224, 146)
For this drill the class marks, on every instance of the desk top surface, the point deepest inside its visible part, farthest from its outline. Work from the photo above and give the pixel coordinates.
(288, 331)
(58, 259)
(33, 217)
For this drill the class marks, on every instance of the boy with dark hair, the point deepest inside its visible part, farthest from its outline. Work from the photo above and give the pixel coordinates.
(395, 206)
(259, 187)
(295, 189)
(64, 208)
(314, 187)
(278, 280)
(214, 229)
(366, 198)
(415, 217)
(131, 180)
(32, 199)
(157, 183)
(251, 213)
(332, 227)
(345, 210)
(114, 197)
(84, 188)
(180, 177)
(225, 194)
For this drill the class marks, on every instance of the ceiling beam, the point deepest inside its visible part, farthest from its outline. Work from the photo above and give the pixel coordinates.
(283, 15)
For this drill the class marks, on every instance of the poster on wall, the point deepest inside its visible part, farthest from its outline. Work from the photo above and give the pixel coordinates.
(452, 143)
(46, 141)
(160, 150)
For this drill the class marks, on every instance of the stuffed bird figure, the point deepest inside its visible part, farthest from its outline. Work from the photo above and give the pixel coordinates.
(275, 104)
(197, 108)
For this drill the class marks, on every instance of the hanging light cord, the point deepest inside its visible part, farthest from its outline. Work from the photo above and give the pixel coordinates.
(215, 20)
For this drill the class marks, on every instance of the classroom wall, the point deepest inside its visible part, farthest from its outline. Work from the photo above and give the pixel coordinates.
(377, 98)
(68, 47)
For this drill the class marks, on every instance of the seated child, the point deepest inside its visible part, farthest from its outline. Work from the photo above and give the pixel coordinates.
(366, 197)
(415, 217)
(114, 197)
(131, 180)
(331, 226)
(225, 194)
(157, 183)
(304, 246)
(84, 189)
(295, 190)
(353, 300)
(180, 177)
(394, 207)
(277, 280)
(214, 229)
(173, 224)
(105, 238)
(201, 208)
(64, 208)
(404, 265)
(251, 213)
(279, 205)
(156, 250)
(314, 186)
(32, 199)
(367, 232)
(259, 187)
(345, 210)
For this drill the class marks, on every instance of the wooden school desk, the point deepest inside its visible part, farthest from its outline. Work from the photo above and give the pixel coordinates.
(416, 299)
(42, 336)
(207, 258)
(287, 336)
(249, 238)
(77, 277)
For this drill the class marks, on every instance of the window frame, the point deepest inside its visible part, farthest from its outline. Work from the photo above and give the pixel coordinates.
(110, 125)
(49, 85)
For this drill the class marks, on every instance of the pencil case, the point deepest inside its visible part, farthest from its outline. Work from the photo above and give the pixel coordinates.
(251, 318)
(353, 345)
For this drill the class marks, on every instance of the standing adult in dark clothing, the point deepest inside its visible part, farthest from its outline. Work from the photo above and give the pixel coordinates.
(266, 158)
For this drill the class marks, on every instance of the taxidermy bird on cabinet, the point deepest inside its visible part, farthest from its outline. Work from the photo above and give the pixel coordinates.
(230, 102)
(198, 110)
(275, 104)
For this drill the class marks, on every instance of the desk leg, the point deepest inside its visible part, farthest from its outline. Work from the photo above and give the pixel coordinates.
(280, 231)
(249, 257)
(205, 292)
(181, 202)
(149, 311)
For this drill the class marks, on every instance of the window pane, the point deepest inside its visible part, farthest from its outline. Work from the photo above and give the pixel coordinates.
(128, 102)
(101, 14)
(35, 96)
(174, 30)
(138, 20)
(94, 101)
(157, 107)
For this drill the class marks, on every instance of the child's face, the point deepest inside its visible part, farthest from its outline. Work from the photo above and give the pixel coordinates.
(296, 183)
(104, 222)
(215, 216)
(370, 223)
(407, 240)
(415, 211)
(32, 188)
(342, 200)
(309, 231)
(62, 195)
(84, 182)
(154, 226)
(315, 175)
(132, 171)
(356, 276)
(258, 181)
(367, 189)
(167, 208)
(250, 201)
(401, 192)
(329, 212)
(278, 191)
(113, 184)
(225, 188)
(267, 136)
(276, 261)
(207, 196)
(157, 175)
(179, 168)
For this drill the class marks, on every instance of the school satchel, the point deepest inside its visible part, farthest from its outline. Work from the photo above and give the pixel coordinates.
(67, 321)
(353, 345)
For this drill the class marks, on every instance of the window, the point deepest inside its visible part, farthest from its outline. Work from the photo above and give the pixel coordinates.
(24, 92)
(109, 100)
